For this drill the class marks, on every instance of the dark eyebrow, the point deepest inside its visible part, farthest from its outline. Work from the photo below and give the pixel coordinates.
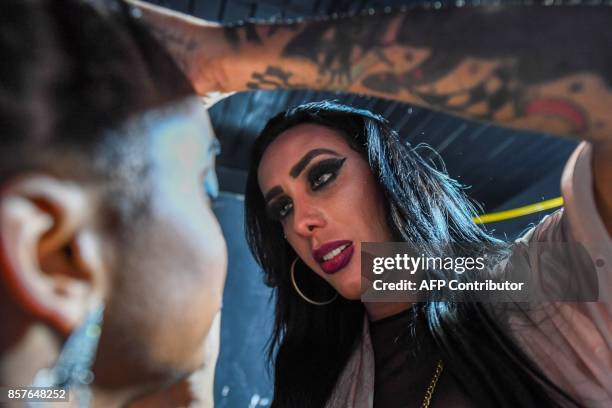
(297, 169)
(274, 191)
(299, 166)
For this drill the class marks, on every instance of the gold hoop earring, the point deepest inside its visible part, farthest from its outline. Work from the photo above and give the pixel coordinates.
(306, 298)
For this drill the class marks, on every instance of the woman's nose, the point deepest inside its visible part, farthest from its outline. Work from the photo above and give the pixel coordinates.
(307, 219)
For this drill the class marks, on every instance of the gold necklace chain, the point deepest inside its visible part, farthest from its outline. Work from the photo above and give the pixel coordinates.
(432, 385)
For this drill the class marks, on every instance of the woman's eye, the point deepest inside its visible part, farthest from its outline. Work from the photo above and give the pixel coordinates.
(321, 180)
(285, 210)
(280, 209)
(324, 172)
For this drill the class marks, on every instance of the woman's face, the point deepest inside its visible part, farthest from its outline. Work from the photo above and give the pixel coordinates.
(327, 200)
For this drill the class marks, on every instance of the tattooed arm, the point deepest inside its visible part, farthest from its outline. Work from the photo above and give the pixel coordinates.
(539, 68)
(543, 68)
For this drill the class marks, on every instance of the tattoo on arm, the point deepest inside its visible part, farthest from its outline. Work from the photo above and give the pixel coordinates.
(272, 78)
(544, 68)
(251, 36)
(337, 48)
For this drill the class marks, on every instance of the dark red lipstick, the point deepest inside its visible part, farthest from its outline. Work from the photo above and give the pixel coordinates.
(332, 262)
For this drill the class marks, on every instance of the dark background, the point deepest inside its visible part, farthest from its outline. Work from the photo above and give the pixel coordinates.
(503, 169)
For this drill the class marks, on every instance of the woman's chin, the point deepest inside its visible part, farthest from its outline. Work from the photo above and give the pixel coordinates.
(352, 296)
(350, 290)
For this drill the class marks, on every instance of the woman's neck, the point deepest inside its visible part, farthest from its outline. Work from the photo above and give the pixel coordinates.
(380, 310)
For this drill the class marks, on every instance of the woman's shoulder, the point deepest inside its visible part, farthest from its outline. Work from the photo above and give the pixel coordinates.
(572, 244)
(566, 328)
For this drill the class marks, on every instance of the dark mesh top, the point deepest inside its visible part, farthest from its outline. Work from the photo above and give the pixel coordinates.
(405, 359)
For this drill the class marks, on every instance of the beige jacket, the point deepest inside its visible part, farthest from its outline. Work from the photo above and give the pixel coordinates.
(571, 342)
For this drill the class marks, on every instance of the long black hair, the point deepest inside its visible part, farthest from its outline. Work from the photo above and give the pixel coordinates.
(310, 345)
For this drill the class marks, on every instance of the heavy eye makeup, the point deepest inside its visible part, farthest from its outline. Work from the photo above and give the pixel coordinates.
(318, 177)
(324, 172)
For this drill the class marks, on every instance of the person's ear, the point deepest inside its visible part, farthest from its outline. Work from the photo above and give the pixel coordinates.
(50, 253)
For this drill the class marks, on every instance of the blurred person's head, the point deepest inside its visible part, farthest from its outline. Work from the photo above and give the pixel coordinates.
(104, 157)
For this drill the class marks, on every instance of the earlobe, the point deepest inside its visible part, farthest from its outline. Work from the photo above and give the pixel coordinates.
(49, 251)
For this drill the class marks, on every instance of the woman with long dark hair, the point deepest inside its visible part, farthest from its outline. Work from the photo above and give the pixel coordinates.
(330, 177)
(326, 177)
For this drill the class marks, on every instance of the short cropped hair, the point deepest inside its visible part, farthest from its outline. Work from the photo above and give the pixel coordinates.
(72, 72)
